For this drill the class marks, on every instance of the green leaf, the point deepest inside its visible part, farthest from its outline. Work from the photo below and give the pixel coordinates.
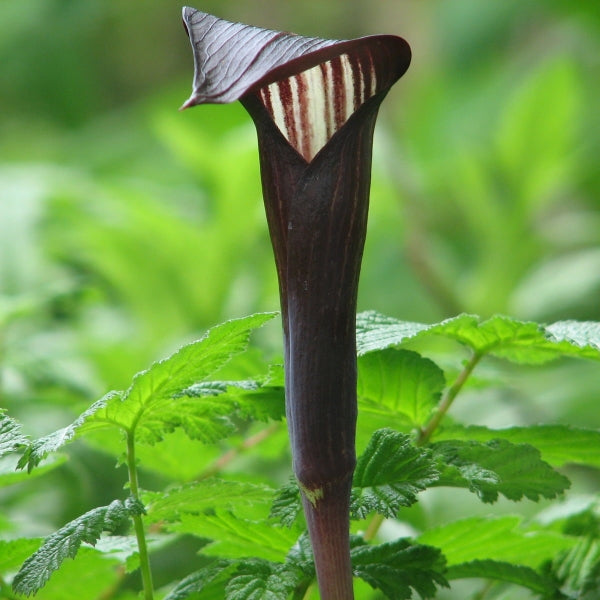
(14, 552)
(389, 474)
(392, 382)
(287, 505)
(579, 568)
(517, 341)
(38, 449)
(11, 437)
(558, 444)
(398, 566)
(9, 475)
(235, 537)
(502, 571)
(153, 405)
(199, 580)
(501, 539)
(262, 580)
(497, 466)
(242, 498)
(65, 543)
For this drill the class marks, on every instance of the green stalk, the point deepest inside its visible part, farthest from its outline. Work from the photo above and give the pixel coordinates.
(138, 524)
(426, 433)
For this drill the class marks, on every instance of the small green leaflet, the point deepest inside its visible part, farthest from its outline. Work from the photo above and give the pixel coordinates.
(497, 466)
(396, 567)
(199, 580)
(287, 506)
(257, 579)
(153, 405)
(11, 437)
(389, 474)
(517, 341)
(502, 571)
(9, 475)
(393, 381)
(502, 539)
(558, 444)
(65, 543)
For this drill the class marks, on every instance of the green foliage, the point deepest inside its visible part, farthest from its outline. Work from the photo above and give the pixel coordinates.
(497, 466)
(65, 543)
(128, 228)
(389, 474)
(398, 566)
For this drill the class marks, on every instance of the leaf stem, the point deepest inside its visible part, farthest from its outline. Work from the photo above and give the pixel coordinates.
(138, 524)
(373, 527)
(451, 393)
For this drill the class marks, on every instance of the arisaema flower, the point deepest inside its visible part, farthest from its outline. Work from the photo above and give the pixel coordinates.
(314, 103)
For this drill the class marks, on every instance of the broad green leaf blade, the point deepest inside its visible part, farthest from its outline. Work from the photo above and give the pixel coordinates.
(154, 403)
(14, 552)
(398, 567)
(517, 341)
(11, 436)
(501, 539)
(65, 543)
(375, 331)
(91, 574)
(503, 571)
(389, 474)
(234, 537)
(497, 466)
(392, 382)
(558, 444)
(262, 580)
(40, 448)
(244, 499)
(198, 581)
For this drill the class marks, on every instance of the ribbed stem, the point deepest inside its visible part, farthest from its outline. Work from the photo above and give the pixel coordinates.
(328, 525)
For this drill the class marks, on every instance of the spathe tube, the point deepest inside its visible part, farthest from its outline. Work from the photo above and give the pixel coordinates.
(314, 103)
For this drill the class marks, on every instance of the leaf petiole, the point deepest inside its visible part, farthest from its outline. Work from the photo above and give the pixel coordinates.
(138, 523)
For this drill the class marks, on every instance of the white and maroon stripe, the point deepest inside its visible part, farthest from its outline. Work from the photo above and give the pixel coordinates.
(310, 107)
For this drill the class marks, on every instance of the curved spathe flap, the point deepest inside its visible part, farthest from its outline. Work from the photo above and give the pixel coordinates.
(232, 59)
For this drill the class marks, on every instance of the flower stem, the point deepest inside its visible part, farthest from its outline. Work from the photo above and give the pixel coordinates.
(138, 524)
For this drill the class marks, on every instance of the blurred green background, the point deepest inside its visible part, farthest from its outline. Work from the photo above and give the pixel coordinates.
(127, 227)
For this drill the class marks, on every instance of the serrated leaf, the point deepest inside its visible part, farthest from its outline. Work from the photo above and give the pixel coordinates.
(242, 498)
(11, 436)
(65, 543)
(38, 449)
(392, 382)
(150, 406)
(514, 340)
(389, 474)
(501, 539)
(558, 444)
(502, 571)
(398, 567)
(234, 537)
(287, 505)
(261, 580)
(199, 580)
(497, 466)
